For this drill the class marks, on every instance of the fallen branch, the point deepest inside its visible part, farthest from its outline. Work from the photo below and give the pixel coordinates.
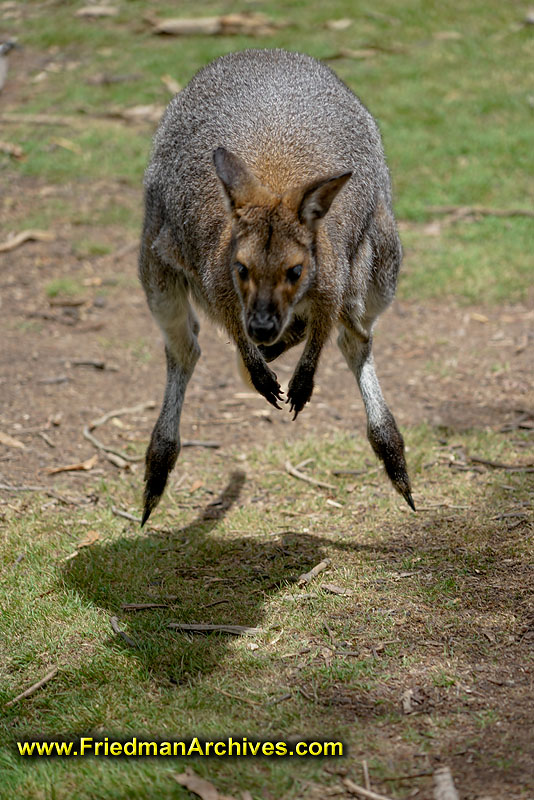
(499, 465)
(307, 577)
(34, 688)
(236, 630)
(444, 788)
(359, 790)
(115, 627)
(25, 236)
(302, 477)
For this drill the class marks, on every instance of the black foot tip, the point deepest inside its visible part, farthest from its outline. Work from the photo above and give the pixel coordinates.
(409, 499)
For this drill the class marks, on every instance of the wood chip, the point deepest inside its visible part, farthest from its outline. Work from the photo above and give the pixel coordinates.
(226, 25)
(119, 513)
(9, 441)
(80, 466)
(444, 788)
(90, 538)
(29, 235)
(34, 687)
(307, 577)
(236, 630)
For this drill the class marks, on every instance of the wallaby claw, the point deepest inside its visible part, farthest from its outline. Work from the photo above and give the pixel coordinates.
(300, 391)
(266, 384)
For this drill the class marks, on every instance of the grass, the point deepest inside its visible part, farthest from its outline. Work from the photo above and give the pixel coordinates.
(247, 555)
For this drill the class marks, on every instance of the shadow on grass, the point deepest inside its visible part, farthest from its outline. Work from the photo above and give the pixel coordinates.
(201, 577)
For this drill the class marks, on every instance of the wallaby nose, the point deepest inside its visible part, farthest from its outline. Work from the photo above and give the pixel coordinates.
(263, 329)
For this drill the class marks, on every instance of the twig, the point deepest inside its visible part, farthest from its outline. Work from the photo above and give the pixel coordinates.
(49, 492)
(286, 696)
(355, 789)
(366, 779)
(119, 513)
(46, 438)
(306, 577)
(34, 688)
(25, 236)
(483, 211)
(302, 477)
(498, 465)
(142, 606)
(241, 699)
(237, 630)
(444, 788)
(115, 627)
(39, 119)
(96, 423)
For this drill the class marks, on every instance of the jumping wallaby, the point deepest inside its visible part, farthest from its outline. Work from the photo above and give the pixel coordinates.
(268, 203)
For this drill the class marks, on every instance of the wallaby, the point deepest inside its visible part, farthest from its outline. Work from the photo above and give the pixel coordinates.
(268, 203)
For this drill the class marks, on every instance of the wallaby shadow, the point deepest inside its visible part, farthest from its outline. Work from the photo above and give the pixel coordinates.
(200, 576)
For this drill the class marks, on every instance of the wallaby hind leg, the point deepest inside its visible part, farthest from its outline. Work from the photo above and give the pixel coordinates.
(179, 324)
(382, 430)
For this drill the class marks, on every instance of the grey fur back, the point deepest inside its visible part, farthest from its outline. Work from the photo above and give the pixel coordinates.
(291, 119)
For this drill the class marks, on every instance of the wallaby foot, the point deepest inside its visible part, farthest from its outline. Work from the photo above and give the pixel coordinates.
(300, 389)
(161, 457)
(388, 444)
(382, 431)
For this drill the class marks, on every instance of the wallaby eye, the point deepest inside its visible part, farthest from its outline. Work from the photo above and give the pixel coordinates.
(294, 273)
(242, 271)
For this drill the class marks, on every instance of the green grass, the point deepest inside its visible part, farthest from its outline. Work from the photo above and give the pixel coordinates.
(454, 112)
(248, 554)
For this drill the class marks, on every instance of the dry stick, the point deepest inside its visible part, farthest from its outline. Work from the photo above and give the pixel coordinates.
(237, 630)
(142, 606)
(306, 577)
(302, 477)
(498, 465)
(241, 699)
(355, 789)
(115, 627)
(119, 513)
(444, 788)
(482, 210)
(49, 492)
(119, 412)
(34, 688)
(366, 779)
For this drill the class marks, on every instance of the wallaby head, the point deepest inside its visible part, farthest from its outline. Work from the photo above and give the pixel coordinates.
(273, 236)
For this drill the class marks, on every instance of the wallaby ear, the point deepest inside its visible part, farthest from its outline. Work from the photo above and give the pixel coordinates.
(312, 202)
(241, 186)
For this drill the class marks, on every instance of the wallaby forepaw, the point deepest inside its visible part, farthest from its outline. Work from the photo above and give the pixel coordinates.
(300, 391)
(266, 384)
